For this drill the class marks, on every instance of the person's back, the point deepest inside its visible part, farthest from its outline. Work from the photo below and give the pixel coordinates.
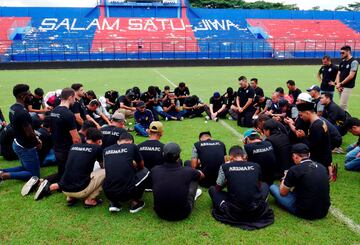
(311, 186)
(262, 153)
(211, 154)
(171, 183)
(319, 143)
(282, 149)
(110, 135)
(6, 140)
(152, 153)
(79, 165)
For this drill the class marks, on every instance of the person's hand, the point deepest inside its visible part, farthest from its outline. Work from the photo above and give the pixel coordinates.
(340, 89)
(39, 145)
(331, 83)
(289, 121)
(300, 133)
(358, 155)
(241, 110)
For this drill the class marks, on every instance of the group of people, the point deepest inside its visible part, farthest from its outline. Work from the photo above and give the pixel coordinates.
(291, 138)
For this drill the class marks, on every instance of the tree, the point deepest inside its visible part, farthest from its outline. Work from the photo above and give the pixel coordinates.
(354, 6)
(315, 8)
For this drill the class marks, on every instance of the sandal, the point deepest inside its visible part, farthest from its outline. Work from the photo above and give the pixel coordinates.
(98, 202)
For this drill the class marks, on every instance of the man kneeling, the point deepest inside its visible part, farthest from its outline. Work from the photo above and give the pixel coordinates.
(79, 180)
(304, 191)
(245, 204)
(125, 174)
(174, 187)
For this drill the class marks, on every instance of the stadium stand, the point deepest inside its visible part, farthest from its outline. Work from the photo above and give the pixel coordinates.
(170, 29)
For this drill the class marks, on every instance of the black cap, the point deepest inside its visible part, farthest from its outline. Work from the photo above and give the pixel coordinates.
(172, 149)
(140, 104)
(306, 106)
(300, 149)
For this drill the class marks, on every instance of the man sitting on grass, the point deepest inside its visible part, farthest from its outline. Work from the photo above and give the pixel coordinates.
(245, 202)
(143, 118)
(174, 187)
(125, 174)
(352, 160)
(304, 191)
(79, 180)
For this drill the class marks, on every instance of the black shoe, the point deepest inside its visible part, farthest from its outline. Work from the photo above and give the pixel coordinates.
(192, 116)
(71, 202)
(114, 207)
(137, 207)
(44, 190)
(30, 185)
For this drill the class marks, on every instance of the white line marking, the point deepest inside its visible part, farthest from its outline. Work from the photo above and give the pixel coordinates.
(233, 130)
(167, 79)
(349, 222)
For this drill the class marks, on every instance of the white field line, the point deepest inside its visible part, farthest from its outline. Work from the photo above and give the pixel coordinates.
(167, 79)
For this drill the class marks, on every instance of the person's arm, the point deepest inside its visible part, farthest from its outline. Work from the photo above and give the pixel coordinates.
(319, 76)
(223, 107)
(123, 106)
(221, 181)
(211, 108)
(30, 109)
(89, 118)
(185, 107)
(105, 118)
(284, 190)
(75, 136)
(194, 158)
(354, 68)
(238, 102)
(248, 103)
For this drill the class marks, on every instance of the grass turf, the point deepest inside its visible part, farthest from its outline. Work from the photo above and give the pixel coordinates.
(22, 220)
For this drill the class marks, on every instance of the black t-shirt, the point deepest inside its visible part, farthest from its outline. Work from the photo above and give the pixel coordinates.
(111, 135)
(79, 107)
(178, 92)
(319, 143)
(243, 182)
(217, 103)
(167, 103)
(211, 154)
(190, 102)
(230, 99)
(328, 74)
(334, 113)
(146, 97)
(79, 165)
(122, 99)
(311, 184)
(282, 149)
(263, 154)
(244, 94)
(345, 67)
(6, 140)
(62, 122)
(152, 153)
(19, 119)
(47, 143)
(294, 94)
(119, 169)
(111, 95)
(259, 91)
(36, 103)
(171, 184)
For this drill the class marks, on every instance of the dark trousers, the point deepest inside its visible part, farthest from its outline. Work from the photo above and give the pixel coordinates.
(220, 115)
(195, 112)
(245, 118)
(220, 197)
(134, 191)
(61, 158)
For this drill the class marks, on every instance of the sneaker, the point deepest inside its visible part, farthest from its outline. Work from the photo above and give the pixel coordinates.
(181, 119)
(198, 193)
(207, 118)
(192, 116)
(216, 119)
(136, 208)
(230, 118)
(44, 190)
(166, 119)
(30, 185)
(148, 190)
(114, 207)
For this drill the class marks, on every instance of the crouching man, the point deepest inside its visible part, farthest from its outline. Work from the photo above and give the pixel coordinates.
(304, 191)
(245, 203)
(79, 180)
(174, 187)
(125, 174)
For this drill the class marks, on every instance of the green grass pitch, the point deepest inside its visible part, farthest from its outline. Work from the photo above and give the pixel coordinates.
(24, 221)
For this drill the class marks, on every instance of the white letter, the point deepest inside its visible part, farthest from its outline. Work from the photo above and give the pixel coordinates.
(94, 22)
(150, 23)
(76, 28)
(64, 23)
(108, 27)
(50, 22)
(182, 28)
(133, 25)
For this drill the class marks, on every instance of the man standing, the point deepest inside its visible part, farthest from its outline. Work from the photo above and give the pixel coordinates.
(304, 191)
(79, 180)
(174, 187)
(112, 132)
(352, 160)
(64, 133)
(327, 76)
(245, 201)
(208, 155)
(244, 102)
(125, 174)
(25, 141)
(345, 79)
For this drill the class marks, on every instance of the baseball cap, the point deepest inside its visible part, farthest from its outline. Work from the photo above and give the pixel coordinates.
(313, 87)
(118, 116)
(250, 132)
(156, 127)
(140, 104)
(171, 148)
(306, 106)
(216, 95)
(300, 148)
(305, 97)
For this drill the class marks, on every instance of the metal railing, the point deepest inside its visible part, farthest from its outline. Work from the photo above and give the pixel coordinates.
(88, 49)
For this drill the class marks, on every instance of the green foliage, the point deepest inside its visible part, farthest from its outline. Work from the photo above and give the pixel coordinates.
(241, 4)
